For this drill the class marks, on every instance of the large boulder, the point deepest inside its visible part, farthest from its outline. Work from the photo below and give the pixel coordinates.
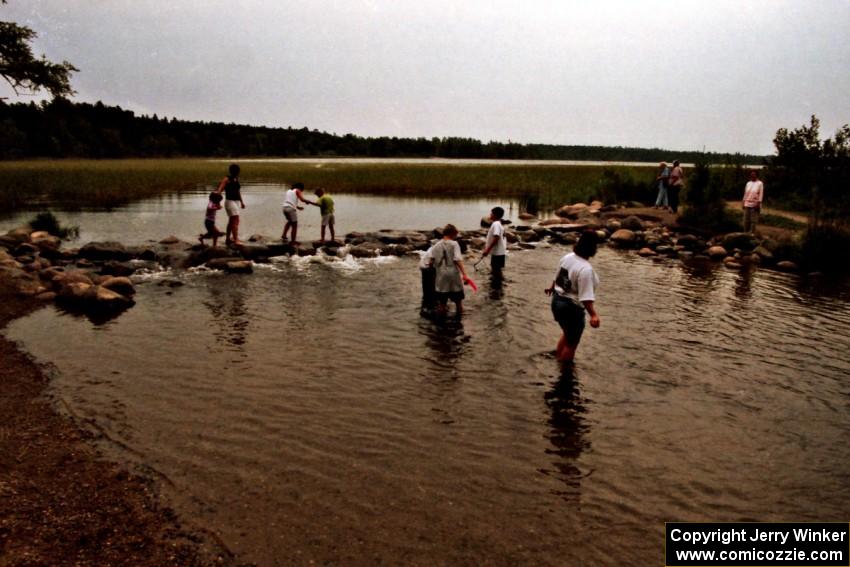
(120, 285)
(100, 298)
(624, 237)
(632, 223)
(46, 243)
(240, 267)
(115, 268)
(221, 263)
(104, 251)
(75, 292)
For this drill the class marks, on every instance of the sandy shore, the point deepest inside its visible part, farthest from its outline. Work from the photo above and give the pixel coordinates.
(62, 503)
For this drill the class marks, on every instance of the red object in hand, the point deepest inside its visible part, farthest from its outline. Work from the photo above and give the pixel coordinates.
(470, 283)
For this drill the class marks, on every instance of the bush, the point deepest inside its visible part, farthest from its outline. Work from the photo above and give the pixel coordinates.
(619, 187)
(48, 222)
(826, 248)
(705, 206)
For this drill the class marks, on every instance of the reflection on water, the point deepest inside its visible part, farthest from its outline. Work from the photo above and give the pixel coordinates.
(308, 413)
(182, 215)
(569, 429)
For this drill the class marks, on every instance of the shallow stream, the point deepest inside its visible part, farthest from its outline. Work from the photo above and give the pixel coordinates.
(306, 411)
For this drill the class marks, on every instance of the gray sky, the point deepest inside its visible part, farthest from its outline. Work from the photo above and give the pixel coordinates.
(679, 74)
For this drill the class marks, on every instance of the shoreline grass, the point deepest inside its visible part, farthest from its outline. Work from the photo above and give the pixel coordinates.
(108, 183)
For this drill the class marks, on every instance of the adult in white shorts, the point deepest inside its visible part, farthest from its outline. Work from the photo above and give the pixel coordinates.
(291, 208)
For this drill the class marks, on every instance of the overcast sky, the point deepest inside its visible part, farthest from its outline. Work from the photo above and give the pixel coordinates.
(723, 75)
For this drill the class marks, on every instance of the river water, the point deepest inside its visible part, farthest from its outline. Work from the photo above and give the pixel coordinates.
(306, 411)
(182, 214)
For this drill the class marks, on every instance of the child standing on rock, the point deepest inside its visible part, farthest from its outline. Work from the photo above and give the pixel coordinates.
(213, 207)
(326, 208)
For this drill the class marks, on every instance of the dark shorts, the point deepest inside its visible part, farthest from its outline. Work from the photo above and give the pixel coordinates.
(211, 229)
(497, 262)
(443, 297)
(429, 294)
(570, 317)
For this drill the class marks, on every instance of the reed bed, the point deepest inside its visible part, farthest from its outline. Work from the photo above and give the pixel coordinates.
(108, 183)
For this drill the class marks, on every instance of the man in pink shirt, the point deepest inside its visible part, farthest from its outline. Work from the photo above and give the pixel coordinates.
(753, 195)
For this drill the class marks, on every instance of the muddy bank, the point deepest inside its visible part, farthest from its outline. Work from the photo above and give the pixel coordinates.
(62, 504)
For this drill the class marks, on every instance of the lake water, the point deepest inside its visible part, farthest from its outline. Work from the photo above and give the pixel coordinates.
(307, 413)
(182, 214)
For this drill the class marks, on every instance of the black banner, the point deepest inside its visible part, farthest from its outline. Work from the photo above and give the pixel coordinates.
(757, 544)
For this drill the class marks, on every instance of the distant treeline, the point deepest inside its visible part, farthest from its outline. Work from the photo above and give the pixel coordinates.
(65, 129)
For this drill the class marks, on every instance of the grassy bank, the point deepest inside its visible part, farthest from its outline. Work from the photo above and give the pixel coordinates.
(106, 183)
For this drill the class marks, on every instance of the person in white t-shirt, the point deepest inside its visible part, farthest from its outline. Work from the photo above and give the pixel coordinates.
(450, 275)
(496, 243)
(291, 208)
(573, 292)
(753, 196)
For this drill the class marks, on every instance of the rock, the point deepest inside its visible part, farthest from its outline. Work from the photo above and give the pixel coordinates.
(74, 291)
(742, 240)
(665, 249)
(366, 250)
(733, 265)
(46, 242)
(717, 252)
(646, 252)
(527, 216)
(624, 237)
(26, 249)
(485, 222)
(566, 238)
(221, 263)
(113, 268)
(392, 237)
(573, 211)
(631, 223)
(240, 267)
(256, 238)
(38, 234)
(46, 296)
(62, 279)
(120, 285)
(635, 205)
(170, 240)
(763, 253)
(528, 236)
(101, 298)
(613, 225)
(687, 240)
(526, 245)
(787, 266)
(305, 251)
(685, 254)
(104, 251)
(20, 234)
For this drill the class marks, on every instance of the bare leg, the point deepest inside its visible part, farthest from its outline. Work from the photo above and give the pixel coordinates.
(228, 230)
(333, 234)
(236, 230)
(564, 352)
(323, 233)
(294, 232)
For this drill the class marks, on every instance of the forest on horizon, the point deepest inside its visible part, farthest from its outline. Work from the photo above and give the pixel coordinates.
(61, 128)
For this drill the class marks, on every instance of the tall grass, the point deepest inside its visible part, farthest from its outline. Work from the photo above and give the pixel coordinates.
(107, 183)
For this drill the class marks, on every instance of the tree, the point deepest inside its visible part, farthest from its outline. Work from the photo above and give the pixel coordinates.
(23, 71)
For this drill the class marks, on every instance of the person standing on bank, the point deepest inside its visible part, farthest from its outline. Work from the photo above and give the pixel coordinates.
(753, 196)
(573, 292)
(496, 241)
(232, 190)
(675, 186)
(291, 208)
(661, 180)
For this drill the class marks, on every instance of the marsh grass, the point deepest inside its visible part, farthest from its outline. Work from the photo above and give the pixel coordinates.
(108, 183)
